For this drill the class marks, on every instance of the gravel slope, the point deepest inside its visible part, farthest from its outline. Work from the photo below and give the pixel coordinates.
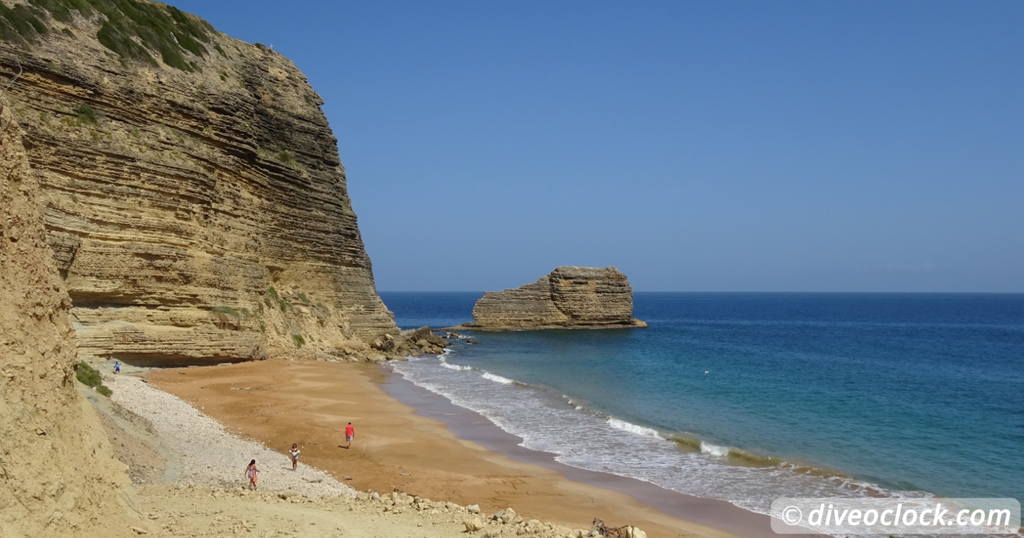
(202, 452)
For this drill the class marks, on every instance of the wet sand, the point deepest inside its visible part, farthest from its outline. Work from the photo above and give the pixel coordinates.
(430, 448)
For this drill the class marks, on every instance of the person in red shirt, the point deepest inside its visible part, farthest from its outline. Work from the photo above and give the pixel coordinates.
(350, 433)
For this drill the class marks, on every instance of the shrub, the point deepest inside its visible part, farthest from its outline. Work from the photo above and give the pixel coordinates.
(227, 311)
(299, 340)
(90, 377)
(285, 157)
(117, 40)
(87, 375)
(85, 114)
(228, 315)
(277, 299)
(131, 28)
(21, 23)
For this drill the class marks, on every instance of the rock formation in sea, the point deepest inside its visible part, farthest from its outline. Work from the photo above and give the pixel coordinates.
(193, 191)
(58, 476)
(569, 297)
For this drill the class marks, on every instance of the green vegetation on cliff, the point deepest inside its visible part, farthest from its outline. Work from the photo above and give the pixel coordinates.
(90, 377)
(134, 29)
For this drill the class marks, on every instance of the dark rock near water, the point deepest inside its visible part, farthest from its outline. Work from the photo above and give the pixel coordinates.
(421, 341)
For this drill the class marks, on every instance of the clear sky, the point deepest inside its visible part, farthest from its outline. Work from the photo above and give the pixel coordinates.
(697, 146)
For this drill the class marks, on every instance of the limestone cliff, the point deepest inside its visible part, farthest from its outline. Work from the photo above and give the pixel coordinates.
(193, 191)
(567, 298)
(57, 472)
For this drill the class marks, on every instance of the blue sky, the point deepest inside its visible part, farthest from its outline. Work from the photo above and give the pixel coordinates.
(701, 146)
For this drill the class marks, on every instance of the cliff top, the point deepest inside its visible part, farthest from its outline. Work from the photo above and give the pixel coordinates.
(582, 271)
(136, 31)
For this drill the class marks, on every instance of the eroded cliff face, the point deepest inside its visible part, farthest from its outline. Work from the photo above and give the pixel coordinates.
(569, 297)
(58, 476)
(194, 198)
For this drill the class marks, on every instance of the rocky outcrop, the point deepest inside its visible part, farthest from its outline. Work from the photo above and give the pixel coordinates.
(57, 472)
(567, 298)
(193, 191)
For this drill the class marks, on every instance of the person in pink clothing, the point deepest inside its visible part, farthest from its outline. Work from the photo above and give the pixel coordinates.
(251, 472)
(350, 433)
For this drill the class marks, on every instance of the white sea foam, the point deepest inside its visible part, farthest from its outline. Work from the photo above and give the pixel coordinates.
(633, 428)
(455, 367)
(593, 441)
(497, 378)
(713, 450)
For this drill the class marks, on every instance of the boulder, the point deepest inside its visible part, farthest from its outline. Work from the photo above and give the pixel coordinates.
(505, 516)
(473, 524)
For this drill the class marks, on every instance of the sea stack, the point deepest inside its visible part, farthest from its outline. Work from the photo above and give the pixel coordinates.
(570, 297)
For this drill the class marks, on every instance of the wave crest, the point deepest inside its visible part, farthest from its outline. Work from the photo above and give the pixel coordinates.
(497, 378)
(634, 428)
(713, 450)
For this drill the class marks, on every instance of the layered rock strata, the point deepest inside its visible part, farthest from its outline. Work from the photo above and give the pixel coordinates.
(58, 476)
(193, 191)
(569, 297)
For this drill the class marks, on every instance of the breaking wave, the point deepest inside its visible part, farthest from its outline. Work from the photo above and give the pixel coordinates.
(633, 428)
(497, 378)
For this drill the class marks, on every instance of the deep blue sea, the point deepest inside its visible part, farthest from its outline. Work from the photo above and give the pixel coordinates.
(751, 396)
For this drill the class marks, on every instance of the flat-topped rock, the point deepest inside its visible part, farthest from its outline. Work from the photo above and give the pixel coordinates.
(570, 297)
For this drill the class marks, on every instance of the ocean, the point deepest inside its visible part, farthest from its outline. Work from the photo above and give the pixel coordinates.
(746, 397)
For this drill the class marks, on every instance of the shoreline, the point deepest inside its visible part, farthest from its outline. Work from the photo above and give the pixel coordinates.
(469, 425)
(400, 448)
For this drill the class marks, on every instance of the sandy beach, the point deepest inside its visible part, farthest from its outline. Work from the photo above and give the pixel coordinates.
(396, 448)
(185, 467)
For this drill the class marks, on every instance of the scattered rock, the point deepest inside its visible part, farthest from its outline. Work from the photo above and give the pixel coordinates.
(473, 509)
(634, 532)
(599, 529)
(473, 525)
(505, 516)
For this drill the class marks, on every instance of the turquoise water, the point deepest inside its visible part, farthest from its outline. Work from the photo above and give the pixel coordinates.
(849, 394)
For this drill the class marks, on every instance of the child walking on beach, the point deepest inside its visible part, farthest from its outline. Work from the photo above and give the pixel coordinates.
(293, 453)
(250, 472)
(350, 433)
